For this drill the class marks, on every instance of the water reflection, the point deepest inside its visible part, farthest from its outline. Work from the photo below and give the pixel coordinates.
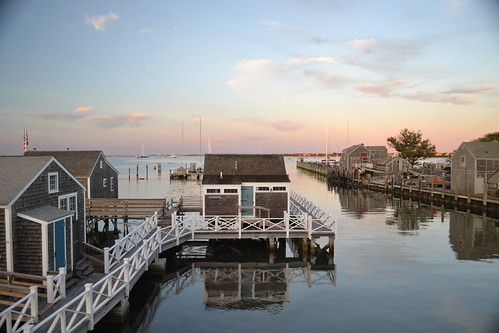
(409, 215)
(473, 237)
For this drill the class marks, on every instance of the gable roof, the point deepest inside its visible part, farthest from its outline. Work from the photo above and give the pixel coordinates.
(80, 163)
(16, 172)
(239, 168)
(483, 149)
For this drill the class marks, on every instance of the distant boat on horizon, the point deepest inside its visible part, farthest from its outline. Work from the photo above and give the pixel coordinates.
(142, 153)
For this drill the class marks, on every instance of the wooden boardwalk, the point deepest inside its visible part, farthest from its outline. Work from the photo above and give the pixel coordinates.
(130, 257)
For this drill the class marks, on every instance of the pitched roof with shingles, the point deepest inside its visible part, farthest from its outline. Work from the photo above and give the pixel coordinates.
(16, 172)
(239, 168)
(79, 162)
(483, 149)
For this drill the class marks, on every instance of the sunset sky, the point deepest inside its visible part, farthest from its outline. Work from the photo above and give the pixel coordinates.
(270, 76)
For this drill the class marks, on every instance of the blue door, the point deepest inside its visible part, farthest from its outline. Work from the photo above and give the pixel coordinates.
(59, 244)
(247, 200)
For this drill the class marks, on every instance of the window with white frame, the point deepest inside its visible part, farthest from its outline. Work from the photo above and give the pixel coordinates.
(100, 164)
(104, 182)
(53, 180)
(68, 202)
(279, 188)
(462, 161)
(230, 190)
(111, 181)
(263, 188)
(212, 190)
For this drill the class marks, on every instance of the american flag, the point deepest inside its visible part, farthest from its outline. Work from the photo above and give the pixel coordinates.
(25, 139)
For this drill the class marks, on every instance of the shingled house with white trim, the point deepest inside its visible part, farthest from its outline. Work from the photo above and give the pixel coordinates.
(90, 167)
(472, 164)
(42, 208)
(244, 184)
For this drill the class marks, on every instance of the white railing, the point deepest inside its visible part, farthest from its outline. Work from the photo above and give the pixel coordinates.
(22, 314)
(95, 300)
(56, 286)
(113, 255)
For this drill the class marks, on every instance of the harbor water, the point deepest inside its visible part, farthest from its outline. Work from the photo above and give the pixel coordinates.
(398, 266)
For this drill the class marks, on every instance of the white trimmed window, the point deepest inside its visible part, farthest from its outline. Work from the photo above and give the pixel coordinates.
(68, 202)
(263, 188)
(279, 188)
(104, 182)
(53, 182)
(111, 181)
(100, 164)
(212, 190)
(230, 190)
(462, 162)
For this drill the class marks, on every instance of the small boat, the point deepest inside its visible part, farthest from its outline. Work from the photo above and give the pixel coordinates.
(142, 154)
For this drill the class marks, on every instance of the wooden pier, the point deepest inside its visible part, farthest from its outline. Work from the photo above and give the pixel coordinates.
(126, 261)
(479, 204)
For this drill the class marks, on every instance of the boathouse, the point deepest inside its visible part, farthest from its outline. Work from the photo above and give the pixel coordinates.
(41, 216)
(358, 156)
(472, 165)
(90, 167)
(250, 185)
(392, 165)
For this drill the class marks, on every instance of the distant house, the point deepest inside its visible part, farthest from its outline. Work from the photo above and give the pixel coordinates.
(250, 185)
(90, 167)
(358, 156)
(392, 165)
(472, 164)
(42, 218)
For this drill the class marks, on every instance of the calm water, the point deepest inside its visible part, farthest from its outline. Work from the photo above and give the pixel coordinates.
(399, 266)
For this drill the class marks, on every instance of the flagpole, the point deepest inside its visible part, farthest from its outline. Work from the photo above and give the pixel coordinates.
(26, 143)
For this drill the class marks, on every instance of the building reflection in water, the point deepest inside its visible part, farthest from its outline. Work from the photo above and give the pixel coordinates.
(410, 215)
(473, 237)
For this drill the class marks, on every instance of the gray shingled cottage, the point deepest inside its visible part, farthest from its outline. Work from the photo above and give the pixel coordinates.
(41, 215)
(90, 167)
(244, 184)
(472, 164)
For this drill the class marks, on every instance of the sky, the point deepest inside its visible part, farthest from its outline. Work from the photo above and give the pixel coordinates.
(274, 76)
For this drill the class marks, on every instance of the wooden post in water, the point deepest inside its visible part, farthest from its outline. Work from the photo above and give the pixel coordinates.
(137, 173)
(485, 193)
(147, 171)
(129, 175)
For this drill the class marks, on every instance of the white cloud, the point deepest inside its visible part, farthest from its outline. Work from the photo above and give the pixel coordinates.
(286, 126)
(361, 43)
(83, 110)
(306, 60)
(279, 26)
(99, 22)
(123, 120)
(455, 7)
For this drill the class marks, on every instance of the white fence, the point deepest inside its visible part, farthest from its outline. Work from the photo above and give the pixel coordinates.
(91, 305)
(21, 314)
(145, 243)
(113, 255)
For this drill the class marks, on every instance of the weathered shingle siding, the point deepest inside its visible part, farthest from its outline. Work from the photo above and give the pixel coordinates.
(221, 204)
(3, 252)
(277, 202)
(97, 181)
(462, 177)
(28, 248)
(37, 196)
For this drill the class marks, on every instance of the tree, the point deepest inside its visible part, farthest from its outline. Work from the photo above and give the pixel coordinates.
(411, 145)
(489, 137)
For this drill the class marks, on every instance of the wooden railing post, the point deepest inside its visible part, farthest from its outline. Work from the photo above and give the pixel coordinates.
(89, 305)
(62, 273)
(34, 302)
(126, 275)
(50, 289)
(158, 238)
(309, 226)
(106, 260)
(286, 223)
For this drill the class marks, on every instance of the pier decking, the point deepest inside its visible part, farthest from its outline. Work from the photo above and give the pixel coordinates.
(131, 256)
